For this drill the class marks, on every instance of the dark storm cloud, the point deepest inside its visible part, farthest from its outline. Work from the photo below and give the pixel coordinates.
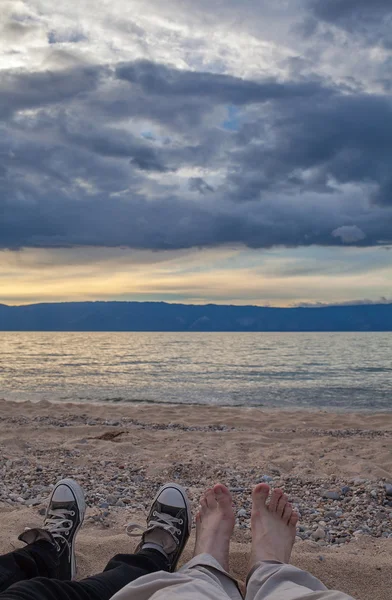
(198, 184)
(116, 143)
(369, 19)
(20, 90)
(346, 137)
(299, 168)
(162, 81)
(336, 10)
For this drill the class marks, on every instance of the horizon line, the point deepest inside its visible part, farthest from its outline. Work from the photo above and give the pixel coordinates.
(380, 302)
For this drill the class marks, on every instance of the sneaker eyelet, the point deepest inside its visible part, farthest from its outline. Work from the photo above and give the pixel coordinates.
(67, 533)
(72, 513)
(181, 522)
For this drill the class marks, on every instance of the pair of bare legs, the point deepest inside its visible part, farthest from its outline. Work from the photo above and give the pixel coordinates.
(273, 523)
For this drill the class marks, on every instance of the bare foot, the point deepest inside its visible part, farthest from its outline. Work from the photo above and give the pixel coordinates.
(215, 524)
(273, 526)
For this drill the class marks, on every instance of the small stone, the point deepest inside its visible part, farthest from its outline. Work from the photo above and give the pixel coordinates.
(274, 471)
(267, 478)
(373, 494)
(120, 504)
(242, 513)
(42, 512)
(319, 534)
(388, 489)
(34, 502)
(20, 500)
(111, 499)
(331, 495)
(104, 505)
(346, 490)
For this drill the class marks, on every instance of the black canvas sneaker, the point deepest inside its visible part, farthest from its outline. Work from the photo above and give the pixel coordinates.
(169, 524)
(63, 519)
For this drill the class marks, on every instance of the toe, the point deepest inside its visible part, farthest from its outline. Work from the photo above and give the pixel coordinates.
(294, 519)
(223, 496)
(275, 497)
(203, 504)
(288, 511)
(259, 496)
(224, 501)
(210, 498)
(282, 505)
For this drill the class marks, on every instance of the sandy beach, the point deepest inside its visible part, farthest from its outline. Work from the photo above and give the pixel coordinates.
(335, 467)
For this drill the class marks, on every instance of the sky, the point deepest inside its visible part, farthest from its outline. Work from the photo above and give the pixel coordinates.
(210, 151)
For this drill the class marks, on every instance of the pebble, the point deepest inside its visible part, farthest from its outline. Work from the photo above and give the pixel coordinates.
(242, 513)
(331, 495)
(331, 515)
(319, 534)
(34, 502)
(388, 489)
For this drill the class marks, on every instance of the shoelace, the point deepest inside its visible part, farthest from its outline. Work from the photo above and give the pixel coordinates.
(163, 521)
(58, 524)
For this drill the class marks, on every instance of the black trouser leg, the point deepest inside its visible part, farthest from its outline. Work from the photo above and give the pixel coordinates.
(120, 571)
(35, 560)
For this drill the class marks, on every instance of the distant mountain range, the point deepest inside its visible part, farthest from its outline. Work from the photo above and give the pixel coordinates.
(159, 316)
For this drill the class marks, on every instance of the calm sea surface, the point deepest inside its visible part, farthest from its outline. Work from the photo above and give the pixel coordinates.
(315, 370)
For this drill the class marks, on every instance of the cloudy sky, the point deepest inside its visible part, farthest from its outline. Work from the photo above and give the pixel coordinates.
(196, 151)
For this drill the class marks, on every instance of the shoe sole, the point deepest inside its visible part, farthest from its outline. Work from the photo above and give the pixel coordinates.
(81, 502)
(183, 493)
